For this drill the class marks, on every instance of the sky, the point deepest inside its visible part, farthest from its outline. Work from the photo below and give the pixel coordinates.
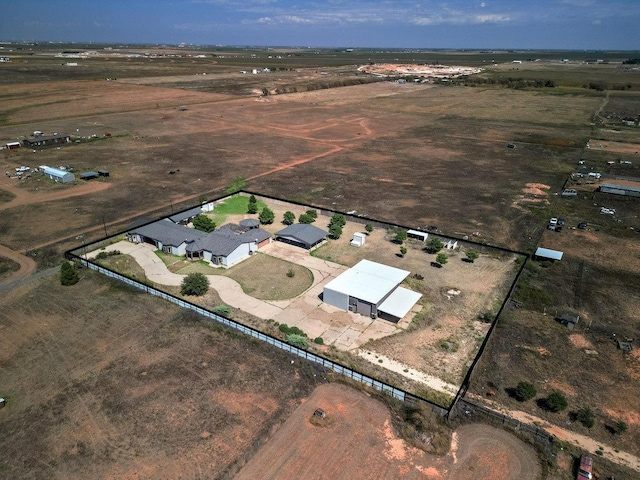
(499, 24)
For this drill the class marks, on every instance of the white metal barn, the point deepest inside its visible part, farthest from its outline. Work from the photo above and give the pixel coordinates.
(371, 289)
(58, 175)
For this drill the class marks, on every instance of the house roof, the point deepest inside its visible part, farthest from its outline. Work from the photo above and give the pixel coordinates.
(191, 213)
(90, 174)
(44, 138)
(400, 302)
(550, 254)
(250, 223)
(168, 233)
(368, 281)
(304, 233)
(225, 240)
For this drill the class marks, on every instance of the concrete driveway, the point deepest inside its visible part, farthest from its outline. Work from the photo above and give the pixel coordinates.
(344, 330)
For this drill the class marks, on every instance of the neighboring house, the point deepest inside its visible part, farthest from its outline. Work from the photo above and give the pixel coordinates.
(45, 140)
(225, 246)
(58, 175)
(302, 235)
(89, 175)
(371, 289)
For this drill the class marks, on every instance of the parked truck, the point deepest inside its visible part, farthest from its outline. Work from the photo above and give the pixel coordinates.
(585, 470)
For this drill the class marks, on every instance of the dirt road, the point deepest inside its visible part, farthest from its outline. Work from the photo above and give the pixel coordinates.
(27, 265)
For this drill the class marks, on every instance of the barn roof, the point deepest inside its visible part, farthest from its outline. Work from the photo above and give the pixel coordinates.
(55, 171)
(399, 302)
(368, 281)
(548, 253)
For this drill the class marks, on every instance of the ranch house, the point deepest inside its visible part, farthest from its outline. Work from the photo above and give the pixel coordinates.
(46, 140)
(225, 246)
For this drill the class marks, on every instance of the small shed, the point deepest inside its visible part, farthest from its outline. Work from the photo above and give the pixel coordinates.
(13, 145)
(103, 173)
(451, 245)
(621, 189)
(89, 175)
(3, 402)
(58, 175)
(569, 320)
(548, 254)
(422, 236)
(249, 223)
(358, 239)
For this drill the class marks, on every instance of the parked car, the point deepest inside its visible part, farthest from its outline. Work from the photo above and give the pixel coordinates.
(608, 211)
(582, 225)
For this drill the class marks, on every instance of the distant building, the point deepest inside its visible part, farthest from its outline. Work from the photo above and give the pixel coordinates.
(548, 254)
(57, 175)
(617, 189)
(13, 145)
(46, 140)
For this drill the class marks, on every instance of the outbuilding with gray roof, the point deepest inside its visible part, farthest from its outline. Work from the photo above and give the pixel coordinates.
(302, 235)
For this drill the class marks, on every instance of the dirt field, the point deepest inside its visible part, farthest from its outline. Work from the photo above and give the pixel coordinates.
(357, 442)
(104, 382)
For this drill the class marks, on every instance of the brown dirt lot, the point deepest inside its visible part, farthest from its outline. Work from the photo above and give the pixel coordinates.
(357, 441)
(105, 382)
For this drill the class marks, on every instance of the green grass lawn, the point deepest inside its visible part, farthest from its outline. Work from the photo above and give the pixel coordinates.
(236, 205)
(168, 259)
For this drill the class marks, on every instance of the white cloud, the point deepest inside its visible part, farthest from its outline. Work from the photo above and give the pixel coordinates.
(597, 22)
(458, 18)
(482, 5)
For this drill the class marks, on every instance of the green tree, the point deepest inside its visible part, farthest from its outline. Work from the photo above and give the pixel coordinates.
(525, 391)
(434, 245)
(555, 402)
(68, 274)
(204, 224)
(472, 255)
(239, 183)
(403, 251)
(266, 216)
(289, 218)
(305, 218)
(335, 231)
(195, 284)
(368, 227)
(442, 259)
(252, 207)
(338, 219)
(401, 236)
(586, 417)
(312, 213)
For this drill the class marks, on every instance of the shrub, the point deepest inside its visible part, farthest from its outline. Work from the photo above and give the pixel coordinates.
(442, 259)
(434, 245)
(222, 310)
(291, 273)
(299, 341)
(586, 417)
(335, 231)
(403, 251)
(204, 224)
(618, 428)
(306, 218)
(338, 219)
(252, 207)
(283, 327)
(401, 236)
(289, 218)
(312, 213)
(368, 227)
(555, 402)
(195, 284)
(318, 340)
(266, 216)
(68, 274)
(525, 391)
(472, 255)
